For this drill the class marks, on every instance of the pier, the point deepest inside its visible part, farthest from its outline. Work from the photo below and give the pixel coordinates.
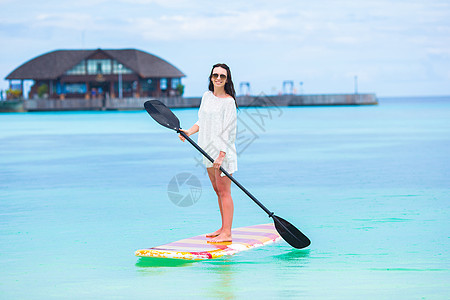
(181, 102)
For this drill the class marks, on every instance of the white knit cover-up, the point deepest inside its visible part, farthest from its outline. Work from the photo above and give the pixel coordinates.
(217, 123)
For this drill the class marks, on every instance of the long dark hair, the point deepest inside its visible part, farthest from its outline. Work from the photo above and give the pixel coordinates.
(229, 86)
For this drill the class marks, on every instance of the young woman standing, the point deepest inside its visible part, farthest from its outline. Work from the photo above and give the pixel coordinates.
(216, 126)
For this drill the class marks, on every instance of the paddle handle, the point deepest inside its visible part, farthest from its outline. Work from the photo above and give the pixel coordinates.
(226, 173)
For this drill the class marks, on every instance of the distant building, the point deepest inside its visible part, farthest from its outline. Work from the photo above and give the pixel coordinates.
(98, 73)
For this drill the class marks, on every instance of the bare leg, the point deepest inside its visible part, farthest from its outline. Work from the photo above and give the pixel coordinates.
(212, 178)
(223, 185)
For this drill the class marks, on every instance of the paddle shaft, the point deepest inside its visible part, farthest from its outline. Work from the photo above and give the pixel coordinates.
(226, 173)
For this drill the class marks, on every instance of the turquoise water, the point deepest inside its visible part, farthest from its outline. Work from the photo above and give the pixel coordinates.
(369, 185)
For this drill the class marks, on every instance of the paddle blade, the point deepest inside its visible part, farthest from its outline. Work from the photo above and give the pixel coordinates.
(290, 233)
(162, 114)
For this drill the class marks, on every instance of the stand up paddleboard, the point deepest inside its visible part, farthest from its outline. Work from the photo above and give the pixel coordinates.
(198, 248)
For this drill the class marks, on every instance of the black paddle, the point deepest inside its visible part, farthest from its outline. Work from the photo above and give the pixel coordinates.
(164, 116)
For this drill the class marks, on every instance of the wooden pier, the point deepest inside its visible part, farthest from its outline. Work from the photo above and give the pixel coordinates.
(180, 102)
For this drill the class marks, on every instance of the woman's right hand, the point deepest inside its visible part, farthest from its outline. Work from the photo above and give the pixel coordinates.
(182, 137)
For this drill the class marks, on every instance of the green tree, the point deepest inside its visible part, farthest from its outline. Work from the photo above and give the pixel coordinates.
(180, 89)
(13, 94)
(42, 90)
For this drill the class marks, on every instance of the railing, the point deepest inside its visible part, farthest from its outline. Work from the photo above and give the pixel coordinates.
(66, 104)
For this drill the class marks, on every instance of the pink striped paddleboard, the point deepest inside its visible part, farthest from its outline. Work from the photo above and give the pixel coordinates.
(198, 248)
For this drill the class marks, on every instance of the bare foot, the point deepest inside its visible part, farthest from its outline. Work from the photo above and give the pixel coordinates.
(215, 233)
(221, 238)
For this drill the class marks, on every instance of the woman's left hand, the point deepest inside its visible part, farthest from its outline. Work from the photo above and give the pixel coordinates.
(218, 162)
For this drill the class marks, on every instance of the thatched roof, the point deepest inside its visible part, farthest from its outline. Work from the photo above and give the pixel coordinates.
(53, 64)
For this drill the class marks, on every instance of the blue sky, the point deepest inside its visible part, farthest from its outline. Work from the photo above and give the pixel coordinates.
(396, 48)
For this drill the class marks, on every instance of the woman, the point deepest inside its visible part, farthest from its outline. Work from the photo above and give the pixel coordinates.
(216, 126)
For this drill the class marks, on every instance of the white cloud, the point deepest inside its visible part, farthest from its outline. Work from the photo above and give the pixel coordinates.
(234, 25)
(63, 21)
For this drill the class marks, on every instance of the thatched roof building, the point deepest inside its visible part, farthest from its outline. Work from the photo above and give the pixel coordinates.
(99, 73)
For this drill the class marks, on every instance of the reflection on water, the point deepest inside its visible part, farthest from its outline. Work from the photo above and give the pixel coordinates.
(295, 255)
(157, 262)
(221, 281)
(224, 280)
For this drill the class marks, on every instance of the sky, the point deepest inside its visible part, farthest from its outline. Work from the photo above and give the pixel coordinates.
(392, 48)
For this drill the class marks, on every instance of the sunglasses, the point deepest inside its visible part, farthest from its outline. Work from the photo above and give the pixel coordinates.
(222, 76)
